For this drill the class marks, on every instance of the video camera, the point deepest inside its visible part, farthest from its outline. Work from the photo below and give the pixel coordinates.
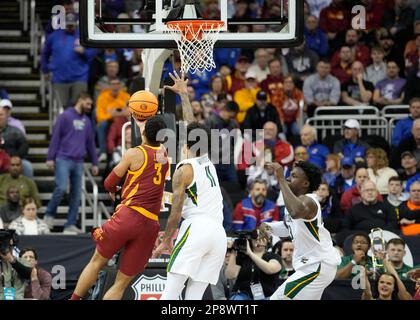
(5, 237)
(241, 237)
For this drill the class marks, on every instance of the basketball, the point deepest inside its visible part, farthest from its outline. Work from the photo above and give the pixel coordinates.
(143, 105)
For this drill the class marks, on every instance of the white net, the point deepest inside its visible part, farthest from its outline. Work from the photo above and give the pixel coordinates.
(195, 43)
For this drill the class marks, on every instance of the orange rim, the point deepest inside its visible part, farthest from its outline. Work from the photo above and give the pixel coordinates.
(184, 27)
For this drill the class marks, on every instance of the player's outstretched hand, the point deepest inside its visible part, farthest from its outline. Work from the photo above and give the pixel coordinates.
(180, 84)
(277, 168)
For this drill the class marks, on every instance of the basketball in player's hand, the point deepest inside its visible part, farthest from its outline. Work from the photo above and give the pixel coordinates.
(143, 105)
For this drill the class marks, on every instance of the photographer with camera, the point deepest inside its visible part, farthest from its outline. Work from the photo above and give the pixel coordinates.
(13, 271)
(256, 270)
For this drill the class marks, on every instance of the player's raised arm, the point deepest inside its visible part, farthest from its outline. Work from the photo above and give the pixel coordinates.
(299, 207)
(180, 87)
(181, 179)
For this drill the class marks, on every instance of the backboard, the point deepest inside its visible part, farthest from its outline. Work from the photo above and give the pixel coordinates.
(247, 24)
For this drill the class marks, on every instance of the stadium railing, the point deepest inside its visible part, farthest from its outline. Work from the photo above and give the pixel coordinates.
(330, 125)
(346, 110)
(393, 113)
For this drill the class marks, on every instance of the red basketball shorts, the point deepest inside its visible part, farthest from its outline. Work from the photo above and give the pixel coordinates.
(132, 231)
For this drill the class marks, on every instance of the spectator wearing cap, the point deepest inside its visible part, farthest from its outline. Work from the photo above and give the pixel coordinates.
(260, 113)
(317, 152)
(237, 80)
(345, 179)
(260, 64)
(351, 146)
(315, 39)
(402, 130)
(246, 97)
(409, 168)
(390, 90)
(301, 62)
(395, 193)
(378, 170)
(411, 144)
(356, 91)
(68, 61)
(274, 81)
(408, 213)
(225, 122)
(7, 105)
(377, 70)
(289, 105)
(321, 88)
(352, 196)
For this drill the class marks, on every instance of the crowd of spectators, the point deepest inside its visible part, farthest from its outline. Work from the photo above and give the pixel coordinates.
(271, 89)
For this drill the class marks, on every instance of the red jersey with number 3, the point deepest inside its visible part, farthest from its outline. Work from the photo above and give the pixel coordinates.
(143, 188)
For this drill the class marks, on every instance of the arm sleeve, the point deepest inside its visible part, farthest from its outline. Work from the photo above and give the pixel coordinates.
(23, 271)
(42, 291)
(238, 218)
(307, 91)
(91, 147)
(336, 93)
(55, 139)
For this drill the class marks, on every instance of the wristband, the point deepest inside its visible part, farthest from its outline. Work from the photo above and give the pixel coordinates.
(353, 262)
(111, 182)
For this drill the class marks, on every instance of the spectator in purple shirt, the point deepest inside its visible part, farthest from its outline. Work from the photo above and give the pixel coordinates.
(390, 90)
(72, 138)
(7, 105)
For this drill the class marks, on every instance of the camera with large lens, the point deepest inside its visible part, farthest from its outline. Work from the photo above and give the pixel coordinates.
(241, 239)
(5, 237)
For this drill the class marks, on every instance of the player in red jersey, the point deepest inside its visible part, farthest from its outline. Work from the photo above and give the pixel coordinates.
(134, 226)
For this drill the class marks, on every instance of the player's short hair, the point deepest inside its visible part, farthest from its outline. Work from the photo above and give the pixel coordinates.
(312, 173)
(152, 128)
(191, 142)
(395, 242)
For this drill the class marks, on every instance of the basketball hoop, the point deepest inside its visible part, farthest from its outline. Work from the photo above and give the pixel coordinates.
(195, 40)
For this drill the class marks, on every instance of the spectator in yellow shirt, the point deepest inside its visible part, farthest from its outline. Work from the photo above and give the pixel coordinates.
(111, 104)
(246, 97)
